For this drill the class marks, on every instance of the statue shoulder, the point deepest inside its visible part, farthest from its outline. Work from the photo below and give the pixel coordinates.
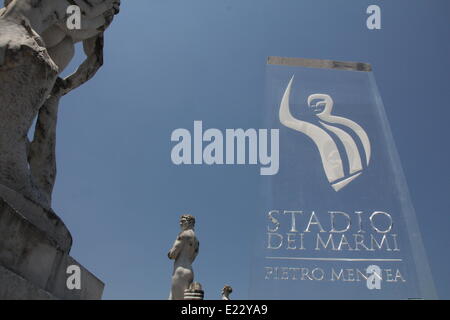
(187, 234)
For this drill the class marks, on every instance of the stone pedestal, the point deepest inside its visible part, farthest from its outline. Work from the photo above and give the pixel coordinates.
(195, 292)
(34, 259)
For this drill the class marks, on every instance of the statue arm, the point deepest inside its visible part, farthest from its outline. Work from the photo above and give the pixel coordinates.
(90, 66)
(197, 246)
(41, 154)
(44, 14)
(176, 248)
(48, 20)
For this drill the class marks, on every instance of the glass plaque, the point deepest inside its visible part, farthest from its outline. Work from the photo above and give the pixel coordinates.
(337, 221)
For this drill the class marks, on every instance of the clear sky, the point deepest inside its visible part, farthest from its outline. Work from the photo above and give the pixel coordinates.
(170, 62)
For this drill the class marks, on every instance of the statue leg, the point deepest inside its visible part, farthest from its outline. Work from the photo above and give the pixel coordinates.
(41, 156)
(181, 280)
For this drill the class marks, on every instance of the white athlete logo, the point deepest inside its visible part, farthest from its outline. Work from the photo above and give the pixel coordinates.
(331, 160)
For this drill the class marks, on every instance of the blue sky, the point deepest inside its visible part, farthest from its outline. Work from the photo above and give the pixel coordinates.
(170, 62)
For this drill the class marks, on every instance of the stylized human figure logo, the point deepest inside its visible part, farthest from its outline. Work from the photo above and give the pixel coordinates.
(329, 152)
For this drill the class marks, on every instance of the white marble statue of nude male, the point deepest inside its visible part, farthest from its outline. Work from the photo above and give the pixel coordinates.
(184, 251)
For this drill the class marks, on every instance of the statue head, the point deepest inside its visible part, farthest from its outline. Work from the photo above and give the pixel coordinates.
(227, 290)
(187, 221)
(323, 104)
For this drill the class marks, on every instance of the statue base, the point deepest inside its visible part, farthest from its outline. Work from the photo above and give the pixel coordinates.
(33, 264)
(194, 292)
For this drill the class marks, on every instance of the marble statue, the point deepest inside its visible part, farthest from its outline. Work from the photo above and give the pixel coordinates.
(35, 47)
(226, 291)
(184, 251)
